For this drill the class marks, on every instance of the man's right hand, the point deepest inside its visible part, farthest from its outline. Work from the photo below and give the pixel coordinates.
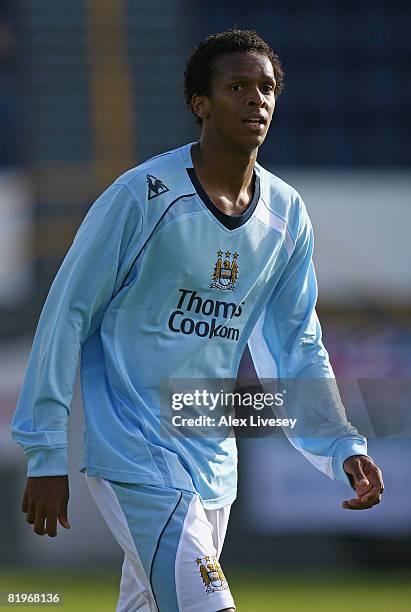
(45, 500)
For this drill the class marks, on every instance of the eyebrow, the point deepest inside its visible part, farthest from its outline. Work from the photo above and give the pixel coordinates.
(243, 77)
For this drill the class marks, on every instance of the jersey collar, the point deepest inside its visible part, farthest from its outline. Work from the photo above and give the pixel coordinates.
(229, 221)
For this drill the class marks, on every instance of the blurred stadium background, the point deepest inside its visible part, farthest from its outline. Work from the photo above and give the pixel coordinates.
(89, 88)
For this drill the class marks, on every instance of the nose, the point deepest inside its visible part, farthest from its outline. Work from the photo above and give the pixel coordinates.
(256, 98)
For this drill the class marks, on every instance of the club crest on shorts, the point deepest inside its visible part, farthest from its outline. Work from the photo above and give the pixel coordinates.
(225, 271)
(211, 574)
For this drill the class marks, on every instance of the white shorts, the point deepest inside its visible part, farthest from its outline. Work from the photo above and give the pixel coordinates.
(171, 547)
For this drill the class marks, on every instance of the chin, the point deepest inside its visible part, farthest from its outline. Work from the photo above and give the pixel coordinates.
(246, 144)
(255, 140)
(253, 143)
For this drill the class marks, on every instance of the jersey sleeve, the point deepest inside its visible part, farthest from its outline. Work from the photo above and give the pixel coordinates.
(92, 272)
(286, 344)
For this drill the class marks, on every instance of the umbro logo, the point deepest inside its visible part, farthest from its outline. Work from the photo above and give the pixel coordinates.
(156, 187)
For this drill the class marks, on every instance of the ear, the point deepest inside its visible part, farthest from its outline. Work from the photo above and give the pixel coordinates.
(200, 106)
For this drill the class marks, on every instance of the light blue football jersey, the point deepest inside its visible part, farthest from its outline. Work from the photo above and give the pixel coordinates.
(160, 284)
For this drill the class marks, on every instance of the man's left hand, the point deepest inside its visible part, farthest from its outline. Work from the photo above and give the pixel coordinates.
(366, 479)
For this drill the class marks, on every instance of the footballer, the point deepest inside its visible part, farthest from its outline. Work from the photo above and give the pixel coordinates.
(179, 265)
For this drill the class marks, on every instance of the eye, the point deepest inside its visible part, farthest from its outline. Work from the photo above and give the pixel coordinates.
(236, 87)
(267, 88)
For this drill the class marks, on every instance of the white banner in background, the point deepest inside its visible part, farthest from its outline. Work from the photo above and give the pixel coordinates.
(13, 362)
(284, 494)
(15, 223)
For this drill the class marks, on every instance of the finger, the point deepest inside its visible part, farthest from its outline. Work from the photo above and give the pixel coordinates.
(377, 483)
(25, 503)
(31, 513)
(357, 472)
(373, 501)
(375, 492)
(62, 515)
(357, 504)
(39, 521)
(360, 478)
(362, 491)
(379, 480)
(51, 525)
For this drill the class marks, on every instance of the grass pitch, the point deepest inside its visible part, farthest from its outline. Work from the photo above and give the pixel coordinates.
(97, 592)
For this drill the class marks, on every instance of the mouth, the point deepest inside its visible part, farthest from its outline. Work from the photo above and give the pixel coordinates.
(256, 123)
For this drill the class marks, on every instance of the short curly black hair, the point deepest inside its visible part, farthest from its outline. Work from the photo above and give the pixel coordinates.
(200, 65)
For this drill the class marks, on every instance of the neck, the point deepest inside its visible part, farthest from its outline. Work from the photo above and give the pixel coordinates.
(218, 164)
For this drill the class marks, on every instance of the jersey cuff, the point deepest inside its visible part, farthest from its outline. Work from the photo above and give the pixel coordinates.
(347, 448)
(50, 462)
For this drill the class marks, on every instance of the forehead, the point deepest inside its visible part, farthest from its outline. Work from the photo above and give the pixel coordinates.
(243, 63)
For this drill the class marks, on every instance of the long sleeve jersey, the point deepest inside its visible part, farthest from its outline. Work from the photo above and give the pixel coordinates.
(160, 284)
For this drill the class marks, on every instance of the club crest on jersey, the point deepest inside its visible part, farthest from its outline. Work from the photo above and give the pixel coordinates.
(211, 574)
(156, 187)
(225, 271)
